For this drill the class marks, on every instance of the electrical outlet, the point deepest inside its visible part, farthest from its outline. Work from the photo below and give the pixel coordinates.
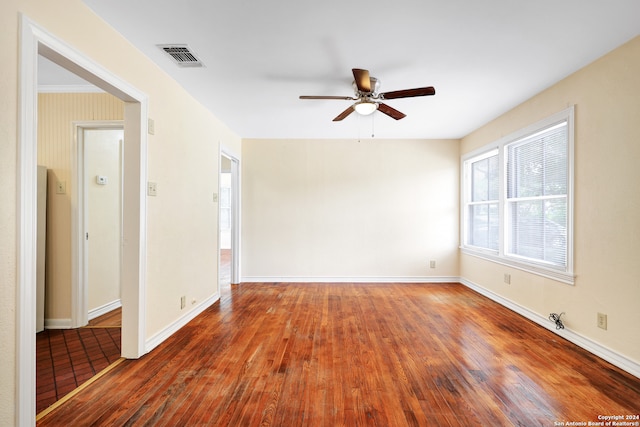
(507, 278)
(432, 264)
(602, 321)
(183, 302)
(152, 189)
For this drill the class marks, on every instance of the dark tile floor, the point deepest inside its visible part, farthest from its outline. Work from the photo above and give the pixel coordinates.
(66, 358)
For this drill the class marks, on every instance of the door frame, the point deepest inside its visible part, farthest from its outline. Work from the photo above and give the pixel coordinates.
(35, 40)
(235, 213)
(79, 220)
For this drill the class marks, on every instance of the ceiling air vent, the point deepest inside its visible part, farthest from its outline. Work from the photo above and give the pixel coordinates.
(181, 55)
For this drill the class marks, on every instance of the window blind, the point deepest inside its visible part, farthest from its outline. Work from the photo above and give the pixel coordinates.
(536, 202)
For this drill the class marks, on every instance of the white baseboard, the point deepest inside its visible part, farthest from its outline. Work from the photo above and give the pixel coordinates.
(591, 346)
(344, 279)
(104, 309)
(57, 323)
(172, 328)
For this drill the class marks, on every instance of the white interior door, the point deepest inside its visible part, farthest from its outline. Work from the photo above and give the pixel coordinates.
(103, 218)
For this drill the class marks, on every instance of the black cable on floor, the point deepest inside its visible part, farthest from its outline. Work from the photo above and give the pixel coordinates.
(556, 319)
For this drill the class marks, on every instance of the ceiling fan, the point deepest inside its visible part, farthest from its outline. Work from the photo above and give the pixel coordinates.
(368, 98)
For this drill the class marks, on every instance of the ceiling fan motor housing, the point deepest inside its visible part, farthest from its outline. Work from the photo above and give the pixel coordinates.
(375, 87)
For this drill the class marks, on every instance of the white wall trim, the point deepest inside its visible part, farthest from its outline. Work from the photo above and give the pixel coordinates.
(351, 279)
(25, 357)
(159, 337)
(591, 346)
(58, 324)
(104, 309)
(96, 312)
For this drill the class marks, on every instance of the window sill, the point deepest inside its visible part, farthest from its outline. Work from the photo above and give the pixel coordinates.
(560, 276)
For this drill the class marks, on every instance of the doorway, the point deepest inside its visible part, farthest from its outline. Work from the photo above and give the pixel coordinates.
(86, 162)
(100, 146)
(229, 221)
(35, 40)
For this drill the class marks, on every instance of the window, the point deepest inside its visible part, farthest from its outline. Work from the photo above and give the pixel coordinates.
(483, 208)
(517, 199)
(537, 196)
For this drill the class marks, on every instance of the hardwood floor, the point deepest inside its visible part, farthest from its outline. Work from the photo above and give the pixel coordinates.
(356, 354)
(225, 267)
(112, 319)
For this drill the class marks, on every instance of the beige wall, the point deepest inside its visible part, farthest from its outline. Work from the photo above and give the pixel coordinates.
(182, 159)
(8, 212)
(56, 114)
(340, 209)
(607, 203)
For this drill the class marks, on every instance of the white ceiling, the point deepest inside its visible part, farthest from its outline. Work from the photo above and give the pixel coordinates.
(484, 57)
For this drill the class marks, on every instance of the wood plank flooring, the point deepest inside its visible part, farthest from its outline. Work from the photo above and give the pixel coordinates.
(356, 354)
(224, 271)
(112, 319)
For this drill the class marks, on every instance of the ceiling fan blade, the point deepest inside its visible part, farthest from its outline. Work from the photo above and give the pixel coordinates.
(391, 112)
(362, 79)
(344, 98)
(344, 114)
(408, 93)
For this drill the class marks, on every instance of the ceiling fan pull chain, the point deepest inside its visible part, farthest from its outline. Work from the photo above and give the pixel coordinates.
(373, 127)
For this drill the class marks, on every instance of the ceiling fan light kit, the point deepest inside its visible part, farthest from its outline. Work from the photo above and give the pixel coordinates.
(365, 107)
(368, 98)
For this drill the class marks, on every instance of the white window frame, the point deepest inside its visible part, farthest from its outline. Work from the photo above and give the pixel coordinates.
(484, 154)
(501, 256)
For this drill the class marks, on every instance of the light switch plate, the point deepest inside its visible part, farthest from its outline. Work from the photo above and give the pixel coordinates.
(61, 187)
